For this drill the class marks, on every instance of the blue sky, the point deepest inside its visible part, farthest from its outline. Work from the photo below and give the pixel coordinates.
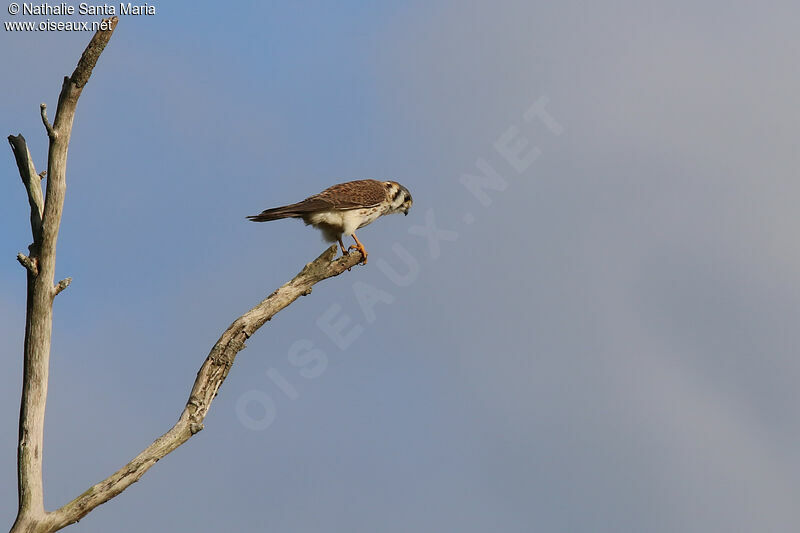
(608, 345)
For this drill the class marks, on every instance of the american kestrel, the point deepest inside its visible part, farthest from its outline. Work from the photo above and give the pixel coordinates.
(343, 208)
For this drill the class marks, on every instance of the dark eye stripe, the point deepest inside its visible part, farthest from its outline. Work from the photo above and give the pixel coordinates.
(397, 194)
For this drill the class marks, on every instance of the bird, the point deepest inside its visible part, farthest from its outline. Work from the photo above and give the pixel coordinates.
(343, 208)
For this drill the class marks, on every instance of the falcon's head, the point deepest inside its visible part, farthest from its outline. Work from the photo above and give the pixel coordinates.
(399, 197)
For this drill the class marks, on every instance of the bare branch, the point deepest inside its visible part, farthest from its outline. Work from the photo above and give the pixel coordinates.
(45, 223)
(73, 85)
(63, 284)
(49, 127)
(29, 263)
(92, 52)
(209, 379)
(32, 182)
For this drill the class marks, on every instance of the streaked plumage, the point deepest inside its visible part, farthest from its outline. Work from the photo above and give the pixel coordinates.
(343, 208)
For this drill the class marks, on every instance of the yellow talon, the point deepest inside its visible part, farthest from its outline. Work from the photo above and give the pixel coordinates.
(360, 247)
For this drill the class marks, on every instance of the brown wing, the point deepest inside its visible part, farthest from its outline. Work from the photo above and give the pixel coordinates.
(344, 196)
(353, 194)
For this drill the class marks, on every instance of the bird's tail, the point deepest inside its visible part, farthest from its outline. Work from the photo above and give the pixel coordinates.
(276, 213)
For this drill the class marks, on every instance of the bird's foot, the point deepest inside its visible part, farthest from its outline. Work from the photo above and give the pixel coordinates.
(360, 248)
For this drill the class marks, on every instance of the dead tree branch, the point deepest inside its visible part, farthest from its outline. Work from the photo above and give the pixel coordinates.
(41, 266)
(209, 379)
(47, 126)
(30, 264)
(61, 285)
(32, 182)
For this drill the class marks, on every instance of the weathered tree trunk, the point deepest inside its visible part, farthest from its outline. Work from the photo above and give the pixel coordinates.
(40, 264)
